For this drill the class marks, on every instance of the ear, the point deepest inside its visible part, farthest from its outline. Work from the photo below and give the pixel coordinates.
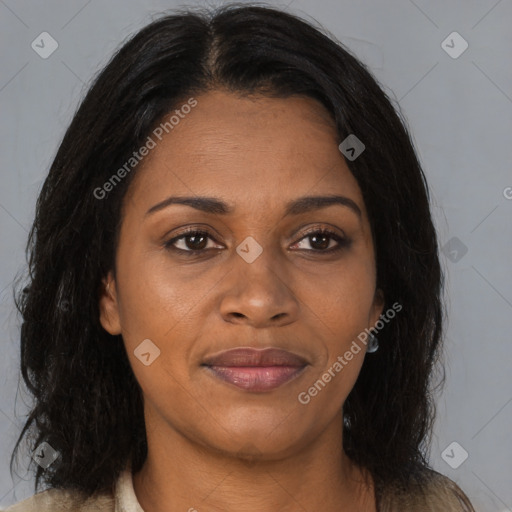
(108, 305)
(377, 307)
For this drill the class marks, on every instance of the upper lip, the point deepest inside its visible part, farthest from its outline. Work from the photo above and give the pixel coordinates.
(247, 356)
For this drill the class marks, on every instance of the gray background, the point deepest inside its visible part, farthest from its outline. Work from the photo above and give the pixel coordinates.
(460, 114)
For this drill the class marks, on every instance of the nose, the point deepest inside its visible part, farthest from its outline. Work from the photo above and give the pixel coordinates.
(259, 294)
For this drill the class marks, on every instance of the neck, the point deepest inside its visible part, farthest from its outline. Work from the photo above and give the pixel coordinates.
(180, 474)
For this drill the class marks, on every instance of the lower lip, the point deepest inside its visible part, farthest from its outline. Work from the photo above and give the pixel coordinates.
(256, 378)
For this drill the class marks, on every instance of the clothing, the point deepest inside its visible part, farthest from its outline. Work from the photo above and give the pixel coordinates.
(123, 499)
(442, 495)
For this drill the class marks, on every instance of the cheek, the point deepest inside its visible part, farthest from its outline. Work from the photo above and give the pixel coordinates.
(155, 297)
(344, 314)
(167, 304)
(345, 306)
(343, 297)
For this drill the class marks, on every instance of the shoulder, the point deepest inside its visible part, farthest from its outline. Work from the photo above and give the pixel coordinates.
(61, 500)
(441, 489)
(431, 493)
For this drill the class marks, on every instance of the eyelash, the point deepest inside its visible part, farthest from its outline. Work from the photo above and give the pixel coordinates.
(342, 241)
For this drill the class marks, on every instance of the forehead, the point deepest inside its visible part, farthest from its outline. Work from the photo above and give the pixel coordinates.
(246, 149)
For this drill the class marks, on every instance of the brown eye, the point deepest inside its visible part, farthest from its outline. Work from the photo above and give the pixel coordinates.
(193, 241)
(196, 242)
(321, 241)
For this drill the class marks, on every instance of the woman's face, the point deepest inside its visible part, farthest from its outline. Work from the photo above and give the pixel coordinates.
(260, 278)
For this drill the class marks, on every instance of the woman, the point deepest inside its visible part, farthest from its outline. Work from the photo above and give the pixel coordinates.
(234, 296)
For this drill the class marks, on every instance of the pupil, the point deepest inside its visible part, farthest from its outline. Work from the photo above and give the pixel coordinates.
(324, 244)
(193, 239)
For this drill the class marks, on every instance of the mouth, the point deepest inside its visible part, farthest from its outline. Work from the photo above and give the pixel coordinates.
(256, 370)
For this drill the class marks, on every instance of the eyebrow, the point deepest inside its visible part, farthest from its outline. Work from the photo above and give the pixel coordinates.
(296, 207)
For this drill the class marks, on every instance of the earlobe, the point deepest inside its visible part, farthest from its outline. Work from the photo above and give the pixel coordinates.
(108, 306)
(378, 306)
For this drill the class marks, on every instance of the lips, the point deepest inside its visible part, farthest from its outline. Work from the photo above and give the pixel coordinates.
(256, 369)
(255, 357)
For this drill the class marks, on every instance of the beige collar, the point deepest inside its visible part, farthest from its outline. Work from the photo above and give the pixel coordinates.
(126, 500)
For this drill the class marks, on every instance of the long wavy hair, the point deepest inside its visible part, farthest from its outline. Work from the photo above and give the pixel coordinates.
(87, 403)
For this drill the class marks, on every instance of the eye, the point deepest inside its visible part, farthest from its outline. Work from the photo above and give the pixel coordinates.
(192, 241)
(195, 241)
(321, 241)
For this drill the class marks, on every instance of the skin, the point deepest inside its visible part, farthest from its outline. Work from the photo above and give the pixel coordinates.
(211, 445)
